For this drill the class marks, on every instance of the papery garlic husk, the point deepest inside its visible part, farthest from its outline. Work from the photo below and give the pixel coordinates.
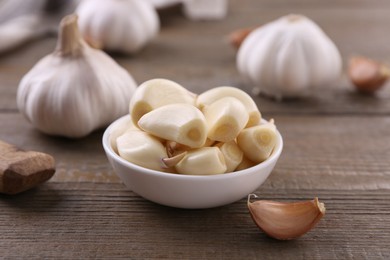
(285, 220)
(182, 123)
(156, 93)
(76, 89)
(289, 57)
(258, 142)
(210, 96)
(140, 148)
(202, 161)
(118, 25)
(225, 119)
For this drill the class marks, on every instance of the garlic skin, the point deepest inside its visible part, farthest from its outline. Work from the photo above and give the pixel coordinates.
(76, 89)
(288, 58)
(285, 220)
(118, 25)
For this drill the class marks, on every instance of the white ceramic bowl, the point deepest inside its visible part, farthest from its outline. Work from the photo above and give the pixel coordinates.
(189, 191)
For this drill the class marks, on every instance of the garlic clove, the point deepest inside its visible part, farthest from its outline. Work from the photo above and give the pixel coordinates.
(238, 36)
(208, 97)
(182, 123)
(156, 93)
(232, 154)
(225, 118)
(367, 75)
(285, 220)
(258, 142)
(119, 130)
(142, 149)
(202, 161)
(245, 164)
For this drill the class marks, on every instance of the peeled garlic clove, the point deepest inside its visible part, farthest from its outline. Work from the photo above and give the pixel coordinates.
(156, 93)
(142, 149)
(232, 154)
(117, 25)
(289, 57)
(182, 123)
(258, 142)
(214, 94)
(76, 89)
(367, 75)
(119, 130)
(284, 220)
(202, 161)
(245, 164)
(225, 118)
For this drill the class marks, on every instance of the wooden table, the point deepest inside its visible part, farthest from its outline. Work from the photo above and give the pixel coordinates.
(337, 147)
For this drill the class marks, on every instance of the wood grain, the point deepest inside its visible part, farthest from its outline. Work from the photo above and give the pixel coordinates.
(104, 220)
(336, 147)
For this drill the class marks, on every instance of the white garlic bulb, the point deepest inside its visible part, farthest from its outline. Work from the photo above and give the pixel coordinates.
(118, 25)
(289, 57)
(76, 89)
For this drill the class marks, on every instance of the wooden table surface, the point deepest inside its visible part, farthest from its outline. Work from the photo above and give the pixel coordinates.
(337, 147)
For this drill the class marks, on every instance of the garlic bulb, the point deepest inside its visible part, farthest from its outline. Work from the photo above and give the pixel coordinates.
(76, 89)
(289, 57)
(118, 25)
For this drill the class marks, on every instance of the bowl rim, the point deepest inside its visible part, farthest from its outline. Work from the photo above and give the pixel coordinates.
(110, 152)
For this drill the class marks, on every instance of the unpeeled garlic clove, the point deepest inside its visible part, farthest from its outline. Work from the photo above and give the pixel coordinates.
(214, 94)
(182, 123)
(238, 36)
(225, 118)
(155, 93)
(285, 220)
(258, 142)
(367, 75)
(202, 161)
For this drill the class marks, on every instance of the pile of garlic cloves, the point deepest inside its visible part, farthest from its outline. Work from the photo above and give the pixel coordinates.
(173, 130)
